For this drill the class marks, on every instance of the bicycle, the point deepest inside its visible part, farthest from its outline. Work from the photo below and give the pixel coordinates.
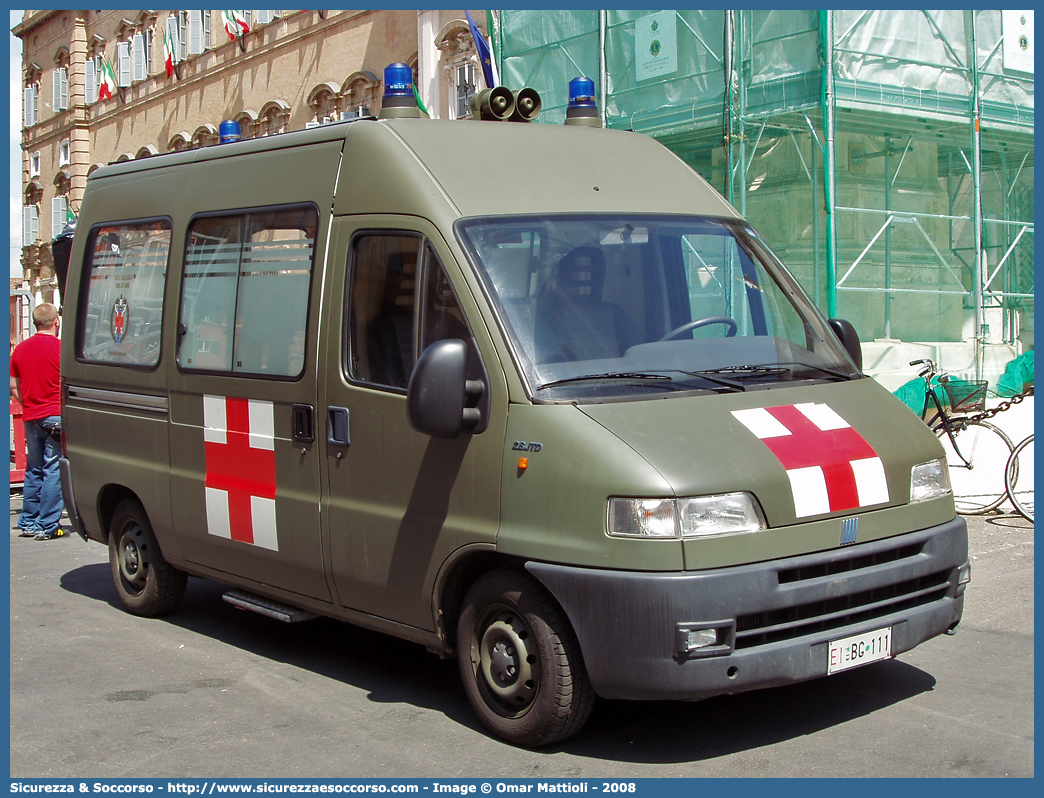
(1018, 479)
(976, 451)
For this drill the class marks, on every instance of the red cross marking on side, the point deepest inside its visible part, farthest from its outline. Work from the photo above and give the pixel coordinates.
(832, 450)
(240, 469)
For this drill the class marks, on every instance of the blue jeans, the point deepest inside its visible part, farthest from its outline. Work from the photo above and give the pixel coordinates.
(42, 492)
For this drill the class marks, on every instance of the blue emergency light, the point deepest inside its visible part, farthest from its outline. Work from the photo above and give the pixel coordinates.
(581, 93)
(230, 131)
(582, 109)
(398, 80)
(400, 99)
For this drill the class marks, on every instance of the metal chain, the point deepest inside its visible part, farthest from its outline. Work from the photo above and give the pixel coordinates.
(987, 414)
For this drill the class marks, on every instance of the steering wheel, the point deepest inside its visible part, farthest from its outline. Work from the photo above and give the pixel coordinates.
(692, 325)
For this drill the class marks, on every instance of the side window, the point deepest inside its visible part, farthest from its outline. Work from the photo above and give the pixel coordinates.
(122, 318)
(386, 314)
(441, 316)
(244, 299)
(381, 314)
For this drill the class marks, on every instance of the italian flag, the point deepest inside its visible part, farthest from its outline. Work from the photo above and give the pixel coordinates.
(235, 24)
(108, 81)
(168, 54)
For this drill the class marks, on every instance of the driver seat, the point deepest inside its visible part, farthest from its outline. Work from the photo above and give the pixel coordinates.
(572, 321)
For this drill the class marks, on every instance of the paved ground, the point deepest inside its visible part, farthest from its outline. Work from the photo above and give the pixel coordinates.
(215, 692)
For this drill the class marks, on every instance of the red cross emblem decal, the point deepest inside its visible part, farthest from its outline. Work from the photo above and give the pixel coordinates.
(830, 466)
(239, 438)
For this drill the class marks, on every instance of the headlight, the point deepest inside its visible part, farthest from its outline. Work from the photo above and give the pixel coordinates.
(929, 480)
(729, 513)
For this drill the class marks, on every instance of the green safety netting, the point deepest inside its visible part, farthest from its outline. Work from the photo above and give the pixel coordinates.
(1017, 375)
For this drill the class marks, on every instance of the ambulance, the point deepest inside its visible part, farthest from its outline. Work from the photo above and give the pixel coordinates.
(532, 396)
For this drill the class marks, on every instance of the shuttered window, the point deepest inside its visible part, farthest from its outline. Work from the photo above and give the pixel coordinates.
(90, 82)
(58, 207)
(31, 105)
(30, 225)
(140, 71)
(60, 88)
(195, 32)
(123, 64)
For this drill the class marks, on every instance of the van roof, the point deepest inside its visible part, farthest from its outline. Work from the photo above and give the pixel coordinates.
(483, 168)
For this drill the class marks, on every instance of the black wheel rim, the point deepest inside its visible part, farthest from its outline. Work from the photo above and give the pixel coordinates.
(507, 667)
(132, 565)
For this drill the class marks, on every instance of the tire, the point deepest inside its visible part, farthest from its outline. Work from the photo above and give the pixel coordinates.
(146, 583)
(978, 488)
(1018, 479)
(520, 661)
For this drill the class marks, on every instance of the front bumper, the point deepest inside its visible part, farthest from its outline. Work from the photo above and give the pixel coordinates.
(775, 619)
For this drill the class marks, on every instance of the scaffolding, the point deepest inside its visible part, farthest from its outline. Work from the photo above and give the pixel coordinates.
(887, 156)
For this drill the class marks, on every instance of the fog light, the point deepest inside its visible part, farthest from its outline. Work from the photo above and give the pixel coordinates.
(700, 638)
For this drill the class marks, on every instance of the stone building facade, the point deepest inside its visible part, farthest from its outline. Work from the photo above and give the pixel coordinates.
(289, 70)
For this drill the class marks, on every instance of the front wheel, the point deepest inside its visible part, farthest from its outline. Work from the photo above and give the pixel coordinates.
(520, 661)
(146, 583)
(979, 486)
(1018, 479)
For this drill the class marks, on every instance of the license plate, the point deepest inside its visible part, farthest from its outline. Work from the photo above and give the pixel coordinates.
(859, 650)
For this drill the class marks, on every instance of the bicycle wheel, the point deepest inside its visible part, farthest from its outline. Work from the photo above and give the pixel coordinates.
(979, 486)
(1018, 479)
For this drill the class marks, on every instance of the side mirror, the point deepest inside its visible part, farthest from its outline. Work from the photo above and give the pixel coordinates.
(439, 390)
(849, 339)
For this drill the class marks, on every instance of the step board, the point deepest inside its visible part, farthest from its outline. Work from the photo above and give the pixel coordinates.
(263, 606)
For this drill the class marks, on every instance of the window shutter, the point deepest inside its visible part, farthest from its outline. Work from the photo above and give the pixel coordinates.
(28, 107)
(57, 216)
(139, 56)
(195, 33)
(206, 29)
(56, 89)
(90, 83)
(263, 17)
(123, 64)
(182, 35)
(30, 225)
(64, 80)
(173, 33)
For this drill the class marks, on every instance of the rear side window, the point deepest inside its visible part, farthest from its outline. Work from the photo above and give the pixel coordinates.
(122, 318)
(244, 299)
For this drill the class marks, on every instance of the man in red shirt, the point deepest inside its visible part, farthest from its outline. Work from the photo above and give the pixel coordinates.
(36, 385)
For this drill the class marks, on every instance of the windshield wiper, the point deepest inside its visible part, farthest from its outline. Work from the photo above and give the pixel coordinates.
(624, 375)
(752, 372)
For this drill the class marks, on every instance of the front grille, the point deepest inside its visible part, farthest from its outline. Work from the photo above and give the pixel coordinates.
(851, 564)
(760, 628)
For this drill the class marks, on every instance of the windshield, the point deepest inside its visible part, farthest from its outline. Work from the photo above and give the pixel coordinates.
(602, 307)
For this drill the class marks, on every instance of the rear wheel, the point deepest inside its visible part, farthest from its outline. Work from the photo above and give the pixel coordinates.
(146, 583)
(979, 486)
(520, 661)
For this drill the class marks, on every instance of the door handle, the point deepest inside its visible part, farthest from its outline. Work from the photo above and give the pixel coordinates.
(301, 423)
(337, 426)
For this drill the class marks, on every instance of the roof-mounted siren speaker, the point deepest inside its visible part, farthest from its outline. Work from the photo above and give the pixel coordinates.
(493, 105)
(527, 105)
(229, 131)
(399, 101)
(582, 109)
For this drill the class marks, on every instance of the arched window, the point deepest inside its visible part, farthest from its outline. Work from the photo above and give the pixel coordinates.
(204, 136)
(179, 141)
(360, 92)
(274, 118)
(324, 101)
(247, 124)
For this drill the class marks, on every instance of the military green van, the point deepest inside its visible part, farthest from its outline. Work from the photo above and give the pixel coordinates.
(534, 396)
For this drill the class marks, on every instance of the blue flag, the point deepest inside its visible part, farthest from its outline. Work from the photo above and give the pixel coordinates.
(483, 50)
